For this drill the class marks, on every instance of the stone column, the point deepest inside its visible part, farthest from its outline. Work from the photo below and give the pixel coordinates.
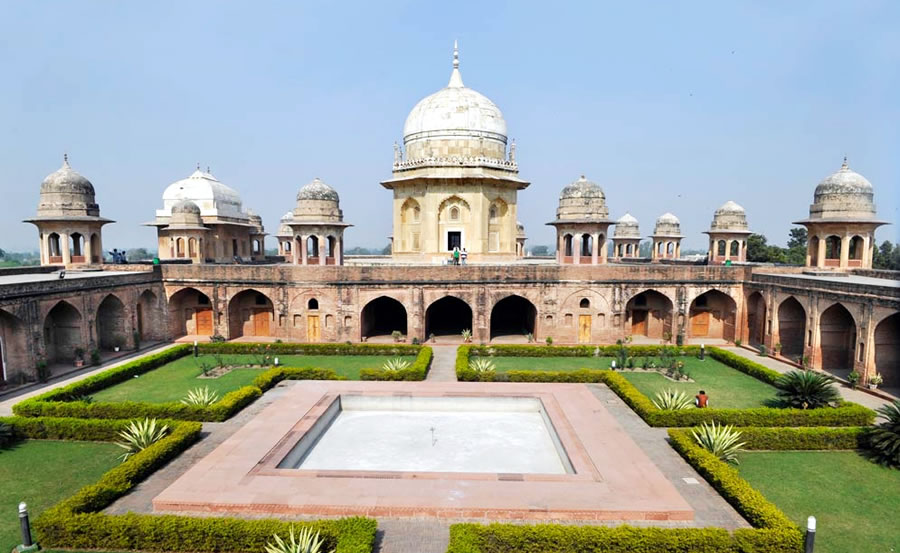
(339, 250)
(64, 246)
(88, 250)
(864, 258)
(323, 247)
(576, 249)
(845, 251)
(677, 249)
(820, 260)
(45, 246)
(304, 250)
(601, 244)
(728, 249)
(595, 248)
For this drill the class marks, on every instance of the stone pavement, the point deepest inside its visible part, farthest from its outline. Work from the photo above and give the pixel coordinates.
(856, 396)
(443, 364)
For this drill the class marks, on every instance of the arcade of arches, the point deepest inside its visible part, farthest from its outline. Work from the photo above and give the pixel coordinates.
(513, 316)
(382, 317)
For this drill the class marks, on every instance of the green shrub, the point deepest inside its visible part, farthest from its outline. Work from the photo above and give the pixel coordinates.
(721, 441)
(798, 439)
(139, 435)
(883, 441)
(673, 400)
(418, 370)
(305, 541)
(247, 348)
(202, 397)
(807, 390)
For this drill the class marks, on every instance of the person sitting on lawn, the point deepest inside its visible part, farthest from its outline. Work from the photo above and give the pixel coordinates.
(701, 400)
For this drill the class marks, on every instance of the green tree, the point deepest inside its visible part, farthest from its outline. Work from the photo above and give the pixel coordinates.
(386, 250)
(757, 248)
(540, 250)
(798, 238)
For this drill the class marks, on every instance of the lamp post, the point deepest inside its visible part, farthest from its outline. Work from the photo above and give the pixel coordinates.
(702, 352)
(195, 348)
(810, 534)
(27, 544)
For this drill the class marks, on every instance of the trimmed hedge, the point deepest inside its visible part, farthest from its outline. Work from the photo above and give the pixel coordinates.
(76, 522)
(63, 402)
(417, 370)
(846, 414)
(800, 439)
(511, 350)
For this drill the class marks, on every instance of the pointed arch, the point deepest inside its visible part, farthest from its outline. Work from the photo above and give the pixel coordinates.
(112, 323)
(837, 338)
(649, 313)
(448, 316)
(791, 328)
(190, 313)
(62, 332)
(14, 357)
(381, 317)
(887, 350)
(513, 315)
(756, 319)
(250, 313)
(712, 315)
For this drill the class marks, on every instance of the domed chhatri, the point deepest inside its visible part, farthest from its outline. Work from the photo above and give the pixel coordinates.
(316, 226)
(666, 237)
(582, 223)
(457, 165)
(626, 238)
(841, 223)
(728, 234)
(521, 237)
(202, 219)
(68, 219)
(285, 237)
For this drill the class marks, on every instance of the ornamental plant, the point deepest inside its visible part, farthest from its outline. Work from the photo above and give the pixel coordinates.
(395, 364)
(671, 400)
(139, 435)
(466, 335)
(721, 441)
(482, 365)
(883, 440)
(807, 390)
(201, 397)
(303, 542)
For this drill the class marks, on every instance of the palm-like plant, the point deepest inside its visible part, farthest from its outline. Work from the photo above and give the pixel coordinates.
(466, 335)
(303, 542)
(482, 365)
(721, 441)
(201, 397)
(884, 438)
(672, 400)
(807, 389)
(395, 364)
(140, 435)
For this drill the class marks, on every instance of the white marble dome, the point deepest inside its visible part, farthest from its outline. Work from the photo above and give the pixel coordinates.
(729, 217)
(627, 227)
(843, 195)
(668, 225)
(437, 124)
(214, 198)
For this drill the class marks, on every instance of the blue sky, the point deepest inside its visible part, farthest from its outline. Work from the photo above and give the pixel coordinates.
(669, 106)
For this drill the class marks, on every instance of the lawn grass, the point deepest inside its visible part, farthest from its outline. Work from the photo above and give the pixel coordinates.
(43, 472)
(854, 500)
(172, 381)
(726, 387)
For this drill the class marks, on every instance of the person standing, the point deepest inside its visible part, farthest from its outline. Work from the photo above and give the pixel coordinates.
(456, 255)
(464, 255)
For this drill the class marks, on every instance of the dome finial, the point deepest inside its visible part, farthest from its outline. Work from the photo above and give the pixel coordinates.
(845, 165)
(455, 76)
(65, 159)
(198, 165)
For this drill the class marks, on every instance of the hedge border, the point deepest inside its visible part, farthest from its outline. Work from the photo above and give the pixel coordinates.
(62, 402)
(846, 414)
(418, 369)
(78, 523)
(773, 531)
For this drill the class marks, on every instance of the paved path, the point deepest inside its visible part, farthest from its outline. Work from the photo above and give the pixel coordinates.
(443, 364)
(856, 396)
(8, 402)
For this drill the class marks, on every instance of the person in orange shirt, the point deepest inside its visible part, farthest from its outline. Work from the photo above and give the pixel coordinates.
(701, 400)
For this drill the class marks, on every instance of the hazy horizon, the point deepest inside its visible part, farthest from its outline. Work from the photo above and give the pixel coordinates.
(676, 108)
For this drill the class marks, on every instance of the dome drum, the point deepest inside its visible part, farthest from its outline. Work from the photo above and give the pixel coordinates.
(730, 218)
(627, 227)
(668, 226)
(317, 202)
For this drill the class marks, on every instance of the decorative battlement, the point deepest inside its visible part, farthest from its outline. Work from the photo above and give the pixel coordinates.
(456, 161)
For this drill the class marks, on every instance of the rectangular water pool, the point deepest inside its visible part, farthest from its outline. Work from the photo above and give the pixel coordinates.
(432, 434)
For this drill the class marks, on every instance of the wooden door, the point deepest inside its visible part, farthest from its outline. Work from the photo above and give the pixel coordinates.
(584, 329)
(639, 322)
(261, 322)
(204, 318)
(700, 324)
(313, 333)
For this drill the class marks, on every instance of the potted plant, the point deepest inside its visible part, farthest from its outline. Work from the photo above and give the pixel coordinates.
(397, 335)
(79, 356)
(875, 380)
(117, 343)
(738, 342)
(778, 348)
(762, 350)
(853, 379)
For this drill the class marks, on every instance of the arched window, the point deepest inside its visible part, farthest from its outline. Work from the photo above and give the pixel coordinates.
(313, 303)
(493, 212)
(416, 214)
(584, 303)
(720, 248)
(454, 213)
(735, 248)
(855, 250)
(567, 241)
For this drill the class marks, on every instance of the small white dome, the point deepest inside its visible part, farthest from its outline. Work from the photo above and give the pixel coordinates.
(729, 217)
(845, 194)
(214, 198)
(627, 227)
(668, 225)
(317, 190)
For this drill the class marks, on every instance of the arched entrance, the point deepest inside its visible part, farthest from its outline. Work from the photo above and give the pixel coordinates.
(756, 319)
(448, 316)
(62, 333)
(712, 315)
(837, 336)
(649, 314)
(513, 316)
(13, 346)
(381, 317)
(791, 328)
(112, 328)
(190, 314)
(250, 313)
(148, 317)
(887, 350)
